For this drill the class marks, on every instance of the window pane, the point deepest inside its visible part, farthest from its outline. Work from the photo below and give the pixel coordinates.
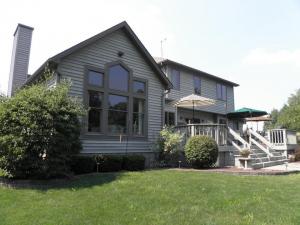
(94, 120)
(171, 119)
(95, 78)
(118, 78)
(138, 105)
(139, 87)
(138, 123)
(117, 102)
(197, 85)
(175, 79)
(117, 121)
(224, 97)
(95, 99)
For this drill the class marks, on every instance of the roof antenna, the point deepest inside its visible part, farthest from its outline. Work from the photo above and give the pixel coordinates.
(161, 47)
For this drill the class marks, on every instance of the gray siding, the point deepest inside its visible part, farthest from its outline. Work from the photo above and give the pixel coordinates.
(208, 89)
(97, 55)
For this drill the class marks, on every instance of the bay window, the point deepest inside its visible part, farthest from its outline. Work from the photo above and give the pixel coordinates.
(116, 101)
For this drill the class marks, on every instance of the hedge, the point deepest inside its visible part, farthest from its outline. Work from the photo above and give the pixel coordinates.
(107, 163)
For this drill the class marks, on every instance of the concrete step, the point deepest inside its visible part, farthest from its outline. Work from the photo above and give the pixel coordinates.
(258, 155)
(268, 164)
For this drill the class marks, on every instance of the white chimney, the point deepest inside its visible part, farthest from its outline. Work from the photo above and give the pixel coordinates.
(20, 58)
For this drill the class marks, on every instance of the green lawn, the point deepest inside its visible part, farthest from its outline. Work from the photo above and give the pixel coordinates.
(157, 197)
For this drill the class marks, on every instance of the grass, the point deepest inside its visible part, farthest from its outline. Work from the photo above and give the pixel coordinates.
(156, 197)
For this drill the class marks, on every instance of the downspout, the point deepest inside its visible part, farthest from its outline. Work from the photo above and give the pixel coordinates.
(163, 98)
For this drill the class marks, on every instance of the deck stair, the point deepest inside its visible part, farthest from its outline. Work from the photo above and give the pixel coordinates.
(259, 159)
(262, 153)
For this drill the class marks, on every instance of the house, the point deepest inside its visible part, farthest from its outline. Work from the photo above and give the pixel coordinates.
(186, 81)
(130, 96)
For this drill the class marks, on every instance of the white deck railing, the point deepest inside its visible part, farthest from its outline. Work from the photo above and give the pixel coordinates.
(280, 138)
(216, 131)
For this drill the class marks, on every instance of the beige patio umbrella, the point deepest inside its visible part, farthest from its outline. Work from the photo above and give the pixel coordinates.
(194, 101)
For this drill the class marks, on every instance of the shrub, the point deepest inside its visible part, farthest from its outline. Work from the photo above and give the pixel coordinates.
(169, 146)
(201, 151)
(83, 164)
(297, 154)
(39, 132)
(111, 163)
(134, 162)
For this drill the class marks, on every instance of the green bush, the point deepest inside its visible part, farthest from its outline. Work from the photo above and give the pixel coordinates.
(133, 162)
(201, 151)
(297, 154)
(111, 163)
(39, 132)
(83, 164)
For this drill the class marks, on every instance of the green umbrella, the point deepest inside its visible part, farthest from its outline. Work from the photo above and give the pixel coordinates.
(246, 113)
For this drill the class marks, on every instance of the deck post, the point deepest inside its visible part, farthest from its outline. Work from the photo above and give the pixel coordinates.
(217, 134)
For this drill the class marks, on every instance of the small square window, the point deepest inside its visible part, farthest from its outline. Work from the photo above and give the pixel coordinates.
(95, 78)
(139, 87)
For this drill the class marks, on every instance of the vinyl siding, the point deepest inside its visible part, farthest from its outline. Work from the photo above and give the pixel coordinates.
(98, 55)
(208, 89)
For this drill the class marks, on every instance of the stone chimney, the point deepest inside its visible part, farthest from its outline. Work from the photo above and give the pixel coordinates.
(20, 58)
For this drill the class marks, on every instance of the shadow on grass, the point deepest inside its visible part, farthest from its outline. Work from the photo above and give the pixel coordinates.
(74, 183)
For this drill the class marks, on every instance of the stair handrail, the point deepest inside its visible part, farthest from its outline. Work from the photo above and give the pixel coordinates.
(261, 147)
(261, 138)
(239, 138)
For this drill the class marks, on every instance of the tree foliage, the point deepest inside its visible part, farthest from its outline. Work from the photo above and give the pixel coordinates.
(39, 131)
(289, 116)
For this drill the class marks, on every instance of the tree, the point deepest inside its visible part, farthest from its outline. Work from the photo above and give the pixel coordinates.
(39, 131)
(272, 124)
(289, 116)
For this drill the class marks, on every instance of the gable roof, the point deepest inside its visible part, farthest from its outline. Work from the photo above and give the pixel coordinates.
(163, 62)
(124, 26)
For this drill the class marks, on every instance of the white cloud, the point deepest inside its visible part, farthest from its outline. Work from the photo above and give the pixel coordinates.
(261, 56)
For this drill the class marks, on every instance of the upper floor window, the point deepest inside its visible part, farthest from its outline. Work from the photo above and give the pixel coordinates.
(118, 78)
(175, 79)
(95, 78)
(139, 87)
(221, 92)
(197, 85)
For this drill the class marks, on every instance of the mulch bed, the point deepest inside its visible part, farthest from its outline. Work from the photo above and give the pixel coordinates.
(238, 171)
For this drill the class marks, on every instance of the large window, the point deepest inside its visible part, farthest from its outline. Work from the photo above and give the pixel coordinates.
(221, 92)
(116, 106)
(118, 78)
(175, 79)
(197, 85)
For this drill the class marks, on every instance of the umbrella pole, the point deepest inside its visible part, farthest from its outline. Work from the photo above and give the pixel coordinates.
(193, 112)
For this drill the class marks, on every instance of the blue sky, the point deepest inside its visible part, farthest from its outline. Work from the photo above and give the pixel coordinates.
(254, 43)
